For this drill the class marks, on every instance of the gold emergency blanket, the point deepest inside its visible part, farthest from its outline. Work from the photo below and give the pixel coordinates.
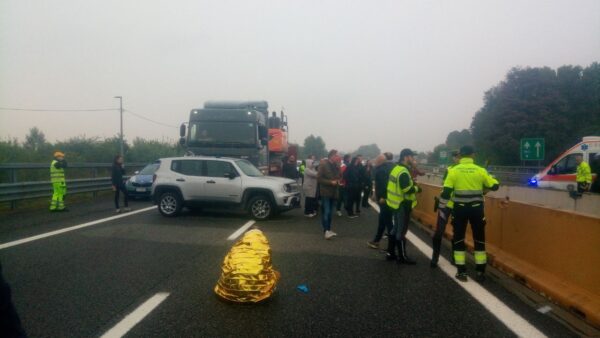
(248, 276)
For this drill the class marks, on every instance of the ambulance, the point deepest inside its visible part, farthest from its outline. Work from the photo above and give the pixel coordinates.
(561, 173)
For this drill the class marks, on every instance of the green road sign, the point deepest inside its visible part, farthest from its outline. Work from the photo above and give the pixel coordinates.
(532, 149)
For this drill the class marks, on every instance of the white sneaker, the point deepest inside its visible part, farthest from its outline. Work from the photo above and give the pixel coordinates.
(332, 233)
(339, 213)
(118, 211)
(313, 215)
(329, 234)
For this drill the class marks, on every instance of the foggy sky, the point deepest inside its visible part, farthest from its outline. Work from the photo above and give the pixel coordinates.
(396, 73)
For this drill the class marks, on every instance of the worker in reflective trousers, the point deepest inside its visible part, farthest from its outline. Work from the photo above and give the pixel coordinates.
(59, 185)
(401, 199)
(467, 181)
(442, 219)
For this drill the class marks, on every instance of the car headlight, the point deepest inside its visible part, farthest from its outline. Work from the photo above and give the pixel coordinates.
(290, 188)
(132, 179)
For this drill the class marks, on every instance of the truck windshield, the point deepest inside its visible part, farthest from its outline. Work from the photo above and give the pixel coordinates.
(223, 134)
(248, 168)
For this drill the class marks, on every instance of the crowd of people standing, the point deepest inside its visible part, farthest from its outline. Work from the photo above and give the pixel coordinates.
(348, 182)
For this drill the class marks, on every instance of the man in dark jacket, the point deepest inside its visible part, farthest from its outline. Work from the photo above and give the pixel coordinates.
(118, 184)
(353, 187)
(383, 166)
(289, 169)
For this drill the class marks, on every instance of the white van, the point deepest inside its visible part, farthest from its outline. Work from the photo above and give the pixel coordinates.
(561, 173)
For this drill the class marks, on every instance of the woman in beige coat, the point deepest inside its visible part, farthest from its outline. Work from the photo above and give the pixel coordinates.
(310, 189)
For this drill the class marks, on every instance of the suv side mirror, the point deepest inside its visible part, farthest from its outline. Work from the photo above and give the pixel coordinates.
(230, 175)
(552, 170)
(182, 141)
(182, 130)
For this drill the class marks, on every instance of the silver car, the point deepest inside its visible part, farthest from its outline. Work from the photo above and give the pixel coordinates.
(221, 182)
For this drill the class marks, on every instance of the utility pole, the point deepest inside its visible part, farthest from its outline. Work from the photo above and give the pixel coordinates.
(121, 111)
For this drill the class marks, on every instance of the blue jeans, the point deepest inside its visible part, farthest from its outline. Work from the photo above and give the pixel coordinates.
(327, 205)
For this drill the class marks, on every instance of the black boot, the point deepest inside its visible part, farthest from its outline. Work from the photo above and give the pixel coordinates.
(437, 243)
(391, 250)
(402, 257)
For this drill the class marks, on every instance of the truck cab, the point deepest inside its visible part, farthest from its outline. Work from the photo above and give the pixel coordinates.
(229, 129)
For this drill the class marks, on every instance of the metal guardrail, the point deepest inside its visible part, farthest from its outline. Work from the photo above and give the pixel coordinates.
(15, 191)
(26, 190)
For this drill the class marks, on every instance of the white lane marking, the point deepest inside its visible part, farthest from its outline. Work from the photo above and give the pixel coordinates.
(76, 227)
(495, 306)
(240, 231)
(136, 316)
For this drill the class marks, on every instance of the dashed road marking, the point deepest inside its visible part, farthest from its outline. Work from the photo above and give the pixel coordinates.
(495, 306)
(76, 227)
(132, 319)
(241, 230)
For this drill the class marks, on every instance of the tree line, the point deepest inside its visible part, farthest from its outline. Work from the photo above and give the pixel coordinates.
(36, 149)
(561, 106)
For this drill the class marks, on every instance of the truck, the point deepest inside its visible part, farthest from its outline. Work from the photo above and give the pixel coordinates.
(240, 129)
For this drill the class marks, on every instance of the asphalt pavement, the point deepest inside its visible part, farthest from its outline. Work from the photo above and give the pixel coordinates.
(85, 282)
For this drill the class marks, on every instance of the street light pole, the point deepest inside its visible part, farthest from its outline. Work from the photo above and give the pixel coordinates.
(121, 111)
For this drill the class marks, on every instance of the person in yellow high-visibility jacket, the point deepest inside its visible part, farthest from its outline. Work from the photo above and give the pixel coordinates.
(59, 184)
(584, 174)
(401, 199)
(467, 181)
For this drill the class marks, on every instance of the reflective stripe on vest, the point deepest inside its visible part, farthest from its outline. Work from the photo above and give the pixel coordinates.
(56, 175)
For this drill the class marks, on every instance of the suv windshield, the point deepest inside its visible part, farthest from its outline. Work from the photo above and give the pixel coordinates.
(149, 169)
(223, 133)
(248, 168)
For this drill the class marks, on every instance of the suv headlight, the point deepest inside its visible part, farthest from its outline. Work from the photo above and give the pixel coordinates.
(290, 187)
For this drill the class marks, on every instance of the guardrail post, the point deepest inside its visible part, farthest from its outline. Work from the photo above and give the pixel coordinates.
(13, 179)
(94, 175)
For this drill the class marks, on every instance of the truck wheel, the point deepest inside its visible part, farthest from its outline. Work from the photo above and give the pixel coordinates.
(169, 204)
(260, 207)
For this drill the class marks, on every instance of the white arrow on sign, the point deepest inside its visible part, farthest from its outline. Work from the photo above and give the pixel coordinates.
(527, 145)
(537, 149)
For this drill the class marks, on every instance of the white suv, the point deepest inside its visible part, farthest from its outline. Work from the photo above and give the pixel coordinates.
(199, 181)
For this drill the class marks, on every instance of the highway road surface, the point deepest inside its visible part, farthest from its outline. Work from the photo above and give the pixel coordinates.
(91, 273)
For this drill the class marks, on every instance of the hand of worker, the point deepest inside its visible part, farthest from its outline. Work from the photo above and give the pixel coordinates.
(382, 201)
(114, 188)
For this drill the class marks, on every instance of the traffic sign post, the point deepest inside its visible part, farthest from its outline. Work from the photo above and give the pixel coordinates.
(443, 157)
(532, 149)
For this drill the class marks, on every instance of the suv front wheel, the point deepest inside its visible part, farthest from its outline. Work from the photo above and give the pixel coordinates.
(169, 204)
(260, 207)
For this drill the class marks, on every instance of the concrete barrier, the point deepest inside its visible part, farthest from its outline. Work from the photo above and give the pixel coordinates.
(588, 204)
(554, 252)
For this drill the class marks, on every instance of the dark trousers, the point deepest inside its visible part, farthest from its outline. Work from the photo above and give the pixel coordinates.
(367, 191)
(353, 200)
(473, 214)
(341, 198)
(397, 238)
(121, 188)
(10, 324)
(310, 205)
(442, 220)
(385, 222)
